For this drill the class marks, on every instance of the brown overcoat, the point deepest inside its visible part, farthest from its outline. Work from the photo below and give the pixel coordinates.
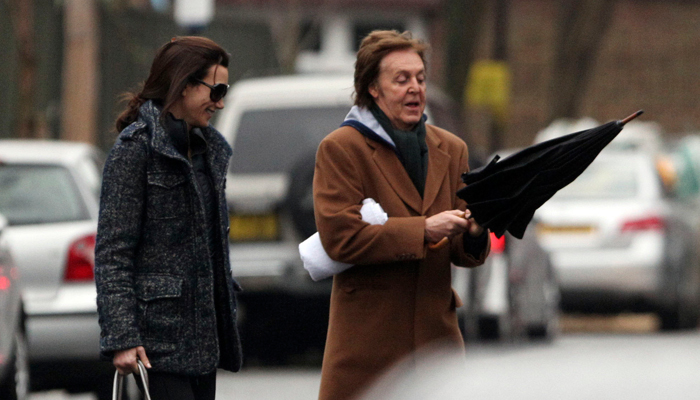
(398, 297)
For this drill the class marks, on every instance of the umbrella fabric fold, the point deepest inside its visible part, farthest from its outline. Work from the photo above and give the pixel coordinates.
(504, 194)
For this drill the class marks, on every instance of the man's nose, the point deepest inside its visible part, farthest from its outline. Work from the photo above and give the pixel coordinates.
(414, 86)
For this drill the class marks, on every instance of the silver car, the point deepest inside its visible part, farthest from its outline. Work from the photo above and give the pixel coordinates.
(513, 296)
(14, 359)
(49, 193)
(619, 243)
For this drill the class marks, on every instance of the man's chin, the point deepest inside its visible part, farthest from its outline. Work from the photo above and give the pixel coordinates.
(413, 120)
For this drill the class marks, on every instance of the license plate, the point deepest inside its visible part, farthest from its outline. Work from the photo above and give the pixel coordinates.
(254, 227)
(544, 229)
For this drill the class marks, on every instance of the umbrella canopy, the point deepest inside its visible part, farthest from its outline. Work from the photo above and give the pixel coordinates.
(503, 195)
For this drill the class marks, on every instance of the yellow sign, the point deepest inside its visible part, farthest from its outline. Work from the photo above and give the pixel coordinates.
(488, 85)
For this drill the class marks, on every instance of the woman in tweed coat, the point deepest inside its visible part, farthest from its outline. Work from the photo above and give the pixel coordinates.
(165, 292)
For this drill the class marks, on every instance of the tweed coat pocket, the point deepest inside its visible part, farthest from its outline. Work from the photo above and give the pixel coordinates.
(160, 310)
(167, 194)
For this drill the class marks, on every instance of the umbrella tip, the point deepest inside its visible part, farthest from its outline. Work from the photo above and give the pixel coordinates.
(631, 117)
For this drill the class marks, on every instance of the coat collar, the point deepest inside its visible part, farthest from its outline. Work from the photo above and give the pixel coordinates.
(438, 167)
(388, 162)
(219, 152)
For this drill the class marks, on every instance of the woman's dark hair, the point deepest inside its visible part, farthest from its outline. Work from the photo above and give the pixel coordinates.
(175, 65)
(373, 49)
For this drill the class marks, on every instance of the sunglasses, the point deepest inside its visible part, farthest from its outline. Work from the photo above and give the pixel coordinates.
(218, 91)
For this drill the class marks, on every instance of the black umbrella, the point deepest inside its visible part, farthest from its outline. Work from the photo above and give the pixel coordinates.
(503, 195)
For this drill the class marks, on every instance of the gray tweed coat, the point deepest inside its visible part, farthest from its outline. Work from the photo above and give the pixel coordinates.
(156, 285)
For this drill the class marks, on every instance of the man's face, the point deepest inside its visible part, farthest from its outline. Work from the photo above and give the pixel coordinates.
(400, 88)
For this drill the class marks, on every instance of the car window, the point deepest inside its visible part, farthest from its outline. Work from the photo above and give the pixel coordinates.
(31, 194)
(604, 179)
(90, 169)
(274, 140)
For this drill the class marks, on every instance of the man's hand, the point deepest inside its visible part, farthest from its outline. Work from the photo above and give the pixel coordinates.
(125, 360)
(445, 224)
(474, 228)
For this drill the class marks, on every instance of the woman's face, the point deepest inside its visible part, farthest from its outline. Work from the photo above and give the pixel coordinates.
(195, 106)
(400, 88)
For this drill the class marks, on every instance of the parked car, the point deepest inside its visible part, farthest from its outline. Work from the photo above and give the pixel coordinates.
(515, 294)
(636, 136)
(49, 193)
(618, 242)
(275, 125)
(684, 161)
(14, 358)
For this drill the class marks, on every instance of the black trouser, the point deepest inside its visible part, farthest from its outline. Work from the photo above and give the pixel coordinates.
(167, 386)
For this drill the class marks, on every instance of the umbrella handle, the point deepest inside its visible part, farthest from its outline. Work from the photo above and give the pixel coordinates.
(437, 246)
(631, 117)
(443, 242)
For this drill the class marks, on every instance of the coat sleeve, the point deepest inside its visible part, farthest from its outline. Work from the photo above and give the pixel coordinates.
(118, 235)
(463, 247)
(338, 195)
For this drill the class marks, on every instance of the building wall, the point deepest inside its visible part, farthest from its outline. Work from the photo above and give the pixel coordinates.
(648, 60)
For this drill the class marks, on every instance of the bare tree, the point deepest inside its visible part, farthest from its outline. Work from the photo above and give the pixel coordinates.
(464, 22)
(286, 30)
(80, 71)
(22, 17)
(581, 29)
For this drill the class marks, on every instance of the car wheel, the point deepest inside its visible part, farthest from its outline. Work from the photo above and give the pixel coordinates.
(300, 201)
(681, 316)
(16, 383)
(549, 328)
(684, 313)
(490, 327)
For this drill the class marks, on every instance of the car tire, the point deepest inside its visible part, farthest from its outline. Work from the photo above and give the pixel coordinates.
(491, 327)
(548, 330)
(16, 383)
(684, 313)
(680, 316)
(300, 202)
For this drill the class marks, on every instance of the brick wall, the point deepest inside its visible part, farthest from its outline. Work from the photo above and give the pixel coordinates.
(649, 59)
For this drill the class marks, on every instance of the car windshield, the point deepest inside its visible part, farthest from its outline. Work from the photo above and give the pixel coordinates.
(31, 194)
(604, 179)
(273, 140)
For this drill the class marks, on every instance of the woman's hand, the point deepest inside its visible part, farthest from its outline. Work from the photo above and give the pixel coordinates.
(445, 224)
(125, 360)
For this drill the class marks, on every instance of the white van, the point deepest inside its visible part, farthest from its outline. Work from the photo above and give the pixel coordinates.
(275, 125)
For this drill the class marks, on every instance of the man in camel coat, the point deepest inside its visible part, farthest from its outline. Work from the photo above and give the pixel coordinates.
(397, 297)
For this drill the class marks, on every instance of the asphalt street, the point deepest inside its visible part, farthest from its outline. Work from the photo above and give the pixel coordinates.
(581, 365)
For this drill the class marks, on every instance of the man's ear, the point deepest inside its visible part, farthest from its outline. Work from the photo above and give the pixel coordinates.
(373, 91)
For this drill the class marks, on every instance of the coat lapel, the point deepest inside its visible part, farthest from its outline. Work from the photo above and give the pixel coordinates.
(438, 168)
(394, 172)
(219, 154)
